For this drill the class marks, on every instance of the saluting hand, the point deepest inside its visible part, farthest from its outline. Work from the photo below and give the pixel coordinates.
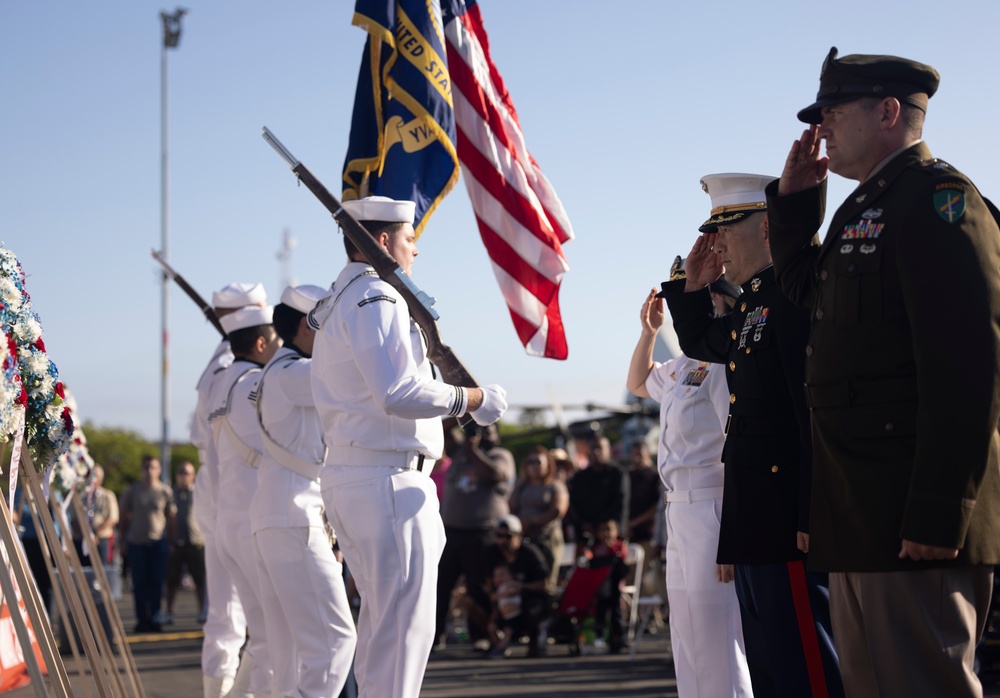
(703, 265)
(805, 167)
(652, 314)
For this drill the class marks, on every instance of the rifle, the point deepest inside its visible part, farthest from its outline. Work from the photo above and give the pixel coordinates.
(419, 303)
(192, 294)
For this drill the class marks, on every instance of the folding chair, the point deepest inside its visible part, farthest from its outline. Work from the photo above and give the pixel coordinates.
(630, 593)
(646, 604)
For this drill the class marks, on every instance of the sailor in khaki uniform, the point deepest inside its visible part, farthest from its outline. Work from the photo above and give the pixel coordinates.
(902, 369)
(238, 444)
(381, 410)
(225, 625)
(706, 634)
(310, 629)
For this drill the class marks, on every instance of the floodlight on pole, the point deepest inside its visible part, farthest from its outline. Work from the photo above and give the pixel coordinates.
(171, 39)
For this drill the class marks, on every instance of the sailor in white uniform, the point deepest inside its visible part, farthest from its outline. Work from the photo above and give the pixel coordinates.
(310, 629)
(706, 630)
(238, 444)
(225, 625)
(381, 410)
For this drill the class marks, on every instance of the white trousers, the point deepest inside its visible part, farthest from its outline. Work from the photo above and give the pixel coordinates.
(310, 629)
(238, 557)
(226, 627)
(706, 631)
(391, 534)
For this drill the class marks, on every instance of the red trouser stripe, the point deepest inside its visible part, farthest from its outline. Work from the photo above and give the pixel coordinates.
(807, 628)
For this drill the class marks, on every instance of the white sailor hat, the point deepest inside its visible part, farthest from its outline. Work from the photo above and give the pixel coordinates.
(734, 197)
(250, 316)
(239, 294)
(381, 208)
(302, 298)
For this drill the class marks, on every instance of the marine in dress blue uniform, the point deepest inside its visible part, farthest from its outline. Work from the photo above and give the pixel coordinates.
(768, 455)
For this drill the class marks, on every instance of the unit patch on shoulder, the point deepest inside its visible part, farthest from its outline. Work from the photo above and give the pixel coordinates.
(949, 201)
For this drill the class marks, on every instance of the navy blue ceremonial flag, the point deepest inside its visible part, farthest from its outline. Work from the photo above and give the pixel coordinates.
(403, 129)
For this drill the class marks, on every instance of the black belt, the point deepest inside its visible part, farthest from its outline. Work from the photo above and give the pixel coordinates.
(861, 391)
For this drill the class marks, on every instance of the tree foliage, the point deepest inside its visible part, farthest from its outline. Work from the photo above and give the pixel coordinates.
(121, 451)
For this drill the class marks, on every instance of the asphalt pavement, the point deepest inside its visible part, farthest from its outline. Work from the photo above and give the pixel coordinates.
(169, 667)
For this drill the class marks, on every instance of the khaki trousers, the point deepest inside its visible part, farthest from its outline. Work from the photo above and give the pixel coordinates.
(910, 634)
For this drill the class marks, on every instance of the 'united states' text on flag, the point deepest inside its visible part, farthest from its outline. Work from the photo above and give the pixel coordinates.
(403, 126)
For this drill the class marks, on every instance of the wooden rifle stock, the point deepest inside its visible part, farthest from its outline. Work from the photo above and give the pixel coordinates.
(453, 371)
(207, 309)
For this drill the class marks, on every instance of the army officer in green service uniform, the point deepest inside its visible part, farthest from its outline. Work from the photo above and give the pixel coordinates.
(902, 374)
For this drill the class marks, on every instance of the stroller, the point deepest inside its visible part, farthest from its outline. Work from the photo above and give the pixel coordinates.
(577, 604)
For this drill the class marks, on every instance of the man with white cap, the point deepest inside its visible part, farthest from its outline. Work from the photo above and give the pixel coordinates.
(238, 445)
(768, 451)
(310, 629)
(225, 624)
(706, 635)
(381, 409)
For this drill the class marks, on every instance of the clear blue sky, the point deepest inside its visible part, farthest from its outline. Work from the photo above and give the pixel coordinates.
(624, 105)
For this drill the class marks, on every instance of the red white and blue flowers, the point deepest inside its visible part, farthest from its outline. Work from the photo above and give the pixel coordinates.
(31, 389)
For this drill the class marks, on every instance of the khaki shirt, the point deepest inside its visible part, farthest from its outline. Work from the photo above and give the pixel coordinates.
(147, 508)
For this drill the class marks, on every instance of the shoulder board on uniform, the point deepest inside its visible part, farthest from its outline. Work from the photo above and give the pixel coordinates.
(935, 165)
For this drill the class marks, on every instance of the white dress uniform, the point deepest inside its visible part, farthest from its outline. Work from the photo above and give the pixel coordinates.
(310, 629)
(238, 444)
(225, 628)
(706, 630)
(380, 407)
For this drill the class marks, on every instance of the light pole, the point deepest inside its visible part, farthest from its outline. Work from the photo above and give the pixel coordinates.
(171, 39)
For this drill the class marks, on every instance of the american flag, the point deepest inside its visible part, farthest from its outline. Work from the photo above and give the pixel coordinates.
(521, 221)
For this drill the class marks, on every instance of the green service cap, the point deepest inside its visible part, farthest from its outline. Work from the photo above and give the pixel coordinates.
(855, 76)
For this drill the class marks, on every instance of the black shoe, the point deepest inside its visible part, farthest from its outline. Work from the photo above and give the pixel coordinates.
(616, 647)
(155, 628)
(498, 653)
(142, 627)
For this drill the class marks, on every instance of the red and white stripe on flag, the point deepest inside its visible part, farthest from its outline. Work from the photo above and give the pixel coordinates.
(520, 218)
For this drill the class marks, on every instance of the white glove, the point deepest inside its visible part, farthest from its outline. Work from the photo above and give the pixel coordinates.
(493, 407)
